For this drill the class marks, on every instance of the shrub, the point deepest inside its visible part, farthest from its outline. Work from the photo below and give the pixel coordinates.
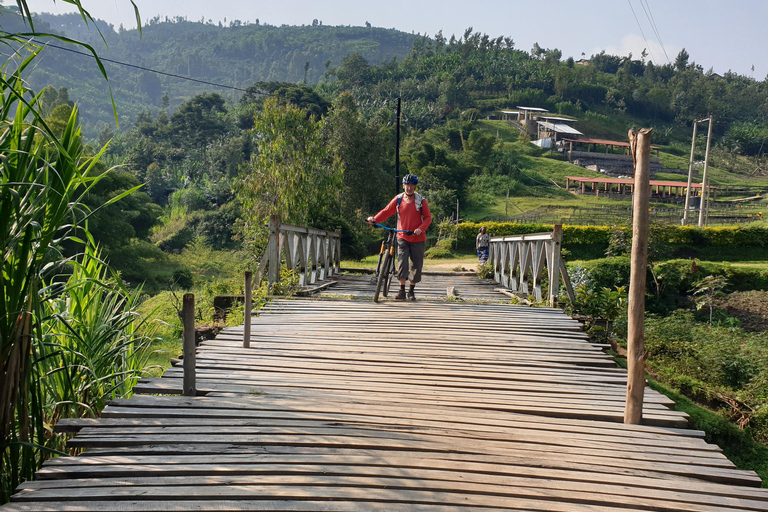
(438, 253)
(608, 272)
(485, 271)
(182, 278)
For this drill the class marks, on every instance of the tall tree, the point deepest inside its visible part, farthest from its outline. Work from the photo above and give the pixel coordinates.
(292, 173)
(360, 146)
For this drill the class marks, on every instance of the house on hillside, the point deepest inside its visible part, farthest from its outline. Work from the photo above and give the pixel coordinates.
(556, 129)
(545, 130)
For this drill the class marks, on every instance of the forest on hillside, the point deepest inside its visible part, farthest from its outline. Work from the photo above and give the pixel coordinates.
(435, 75)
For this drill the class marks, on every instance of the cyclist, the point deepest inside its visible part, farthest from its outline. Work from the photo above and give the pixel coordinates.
(413, 215)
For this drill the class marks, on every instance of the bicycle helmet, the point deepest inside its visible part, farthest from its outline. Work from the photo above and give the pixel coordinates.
(410, 179)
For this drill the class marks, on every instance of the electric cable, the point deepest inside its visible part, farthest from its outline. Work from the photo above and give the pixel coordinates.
(641, 29)
(119, 63)
(649, 15)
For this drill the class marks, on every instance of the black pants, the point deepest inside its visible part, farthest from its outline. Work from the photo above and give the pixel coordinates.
(413, 251)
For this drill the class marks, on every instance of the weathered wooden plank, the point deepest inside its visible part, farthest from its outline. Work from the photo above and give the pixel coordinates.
(379, 477)
(474, 406)
(233, 405)
(132, 466)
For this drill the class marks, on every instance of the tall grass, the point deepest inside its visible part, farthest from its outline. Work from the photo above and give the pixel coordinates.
(91, 350)
(44, 179)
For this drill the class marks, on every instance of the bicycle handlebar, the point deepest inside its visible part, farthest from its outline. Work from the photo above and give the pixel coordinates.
(407, 232)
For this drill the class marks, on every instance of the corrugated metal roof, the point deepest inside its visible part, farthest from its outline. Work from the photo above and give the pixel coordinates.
(560, 128)
(555, 118)
(533, 109)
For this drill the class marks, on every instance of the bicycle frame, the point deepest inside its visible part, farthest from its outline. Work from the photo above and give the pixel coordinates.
(386, 263)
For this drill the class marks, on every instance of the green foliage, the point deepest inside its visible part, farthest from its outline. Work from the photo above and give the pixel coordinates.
(747, 137)
(707, 290)
(293, 175)
(724, 366)
(360, 145)
(737, 444)
(440, 251)
(91, 350)
(46, 176)
(485, 271)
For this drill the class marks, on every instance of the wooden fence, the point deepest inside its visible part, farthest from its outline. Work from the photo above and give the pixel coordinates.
(519, 259)
(313, 254)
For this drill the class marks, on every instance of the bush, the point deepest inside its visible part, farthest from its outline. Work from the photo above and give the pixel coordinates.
(182, 278)
(438, 253)
(755, 235)
(608, 272)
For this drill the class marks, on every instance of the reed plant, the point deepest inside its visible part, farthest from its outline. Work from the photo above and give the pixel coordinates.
(94, 345)
(44, 179)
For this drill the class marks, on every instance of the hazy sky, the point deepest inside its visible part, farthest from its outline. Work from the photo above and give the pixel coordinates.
(719, 34)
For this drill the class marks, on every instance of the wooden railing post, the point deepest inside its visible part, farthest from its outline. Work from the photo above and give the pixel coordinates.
(273, 251)
(554, 265)
(247, 310)
(337, 252)
(188, 324)
(640, 143)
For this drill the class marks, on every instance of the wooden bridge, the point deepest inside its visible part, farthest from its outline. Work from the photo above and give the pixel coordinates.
(434, 405)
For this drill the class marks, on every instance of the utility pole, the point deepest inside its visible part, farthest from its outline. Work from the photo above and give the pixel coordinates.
(703, 205)
(640, 146)
(690, 176)
(457, 212)
(397, 151)
(506, 205)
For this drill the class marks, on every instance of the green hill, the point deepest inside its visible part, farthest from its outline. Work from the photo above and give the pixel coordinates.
(236, 56)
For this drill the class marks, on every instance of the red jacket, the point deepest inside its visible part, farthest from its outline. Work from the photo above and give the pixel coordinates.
(409, 219)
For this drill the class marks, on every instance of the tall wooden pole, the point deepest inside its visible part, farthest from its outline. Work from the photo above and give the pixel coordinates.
(188, 325)
(690, 176)
(640, 144)
(247, 312)
(703, 205)
(397, 151)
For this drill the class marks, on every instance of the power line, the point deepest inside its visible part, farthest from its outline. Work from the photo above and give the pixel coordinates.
(119, 63)
(647, 8)
(641, 29)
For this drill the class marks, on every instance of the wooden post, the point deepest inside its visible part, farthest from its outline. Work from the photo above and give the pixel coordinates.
(247, 312)
(640, 142)
(690, 176)
(554, 267)
(188, 324)
(273, 251)
(703, 206)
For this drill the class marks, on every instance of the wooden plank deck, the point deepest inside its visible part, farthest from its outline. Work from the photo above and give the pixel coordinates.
(427, 406)
(434, 286)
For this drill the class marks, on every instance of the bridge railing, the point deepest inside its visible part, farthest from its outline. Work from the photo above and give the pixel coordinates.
(314, 254)
(518, 259)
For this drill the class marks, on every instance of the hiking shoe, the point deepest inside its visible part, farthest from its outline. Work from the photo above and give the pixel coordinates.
(411, 296)
(400, 295)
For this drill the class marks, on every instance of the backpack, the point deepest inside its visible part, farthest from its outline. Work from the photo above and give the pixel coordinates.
(419, 200)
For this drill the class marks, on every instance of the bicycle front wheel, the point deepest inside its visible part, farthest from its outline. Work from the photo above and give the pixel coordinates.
(388, 277)
(382, 283)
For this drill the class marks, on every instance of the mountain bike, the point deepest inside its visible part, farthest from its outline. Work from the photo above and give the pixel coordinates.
(385, 268)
